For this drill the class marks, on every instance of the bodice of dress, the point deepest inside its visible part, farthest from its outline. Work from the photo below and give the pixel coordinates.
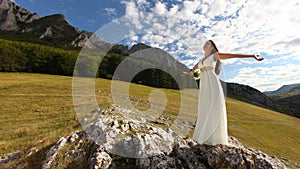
(209, 62)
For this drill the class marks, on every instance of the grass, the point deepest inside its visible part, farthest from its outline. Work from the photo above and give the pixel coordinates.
(36, 110)
(271, 132)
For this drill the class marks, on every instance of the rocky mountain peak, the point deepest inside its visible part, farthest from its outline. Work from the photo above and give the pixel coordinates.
(4, 4)
(137, 47)
(54, 28)
(13, 16)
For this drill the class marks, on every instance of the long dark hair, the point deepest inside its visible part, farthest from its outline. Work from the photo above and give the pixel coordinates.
(218, 64)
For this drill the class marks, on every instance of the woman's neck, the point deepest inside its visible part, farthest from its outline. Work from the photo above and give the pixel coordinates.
(207, 54)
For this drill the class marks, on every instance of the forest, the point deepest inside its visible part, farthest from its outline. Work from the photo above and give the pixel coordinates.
(17, 56)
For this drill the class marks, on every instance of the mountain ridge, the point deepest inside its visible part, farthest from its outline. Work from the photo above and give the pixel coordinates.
(289, 96)
(251, 95)
(51, 29)
(282, 89)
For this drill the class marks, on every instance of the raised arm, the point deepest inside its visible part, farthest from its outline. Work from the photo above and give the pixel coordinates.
(230, 55)
(193, 69)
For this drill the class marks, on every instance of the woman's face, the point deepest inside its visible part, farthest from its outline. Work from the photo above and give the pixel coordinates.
(207, 47)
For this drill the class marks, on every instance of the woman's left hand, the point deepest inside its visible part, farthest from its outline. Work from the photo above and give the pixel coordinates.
(257, 57)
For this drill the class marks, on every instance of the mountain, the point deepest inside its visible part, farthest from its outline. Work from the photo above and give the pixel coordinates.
(156, 56)
(55, 28)
(13, 16)
(17, 23)
(284, 88)
(289, 96)
(153, 55)
(137, 47)
(253, 96)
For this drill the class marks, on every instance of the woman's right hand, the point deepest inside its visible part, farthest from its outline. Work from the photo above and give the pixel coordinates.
(191, 73)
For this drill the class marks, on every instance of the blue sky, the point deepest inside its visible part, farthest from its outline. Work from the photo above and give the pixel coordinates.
(180, 27)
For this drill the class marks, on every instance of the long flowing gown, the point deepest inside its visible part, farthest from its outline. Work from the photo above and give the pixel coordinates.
(211, 125)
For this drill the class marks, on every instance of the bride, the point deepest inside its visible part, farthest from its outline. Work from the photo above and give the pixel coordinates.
(211, 125)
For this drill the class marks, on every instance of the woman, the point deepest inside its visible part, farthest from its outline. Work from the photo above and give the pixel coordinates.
(211, 125)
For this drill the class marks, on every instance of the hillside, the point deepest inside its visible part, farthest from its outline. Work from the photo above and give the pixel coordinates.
(38, 109)
(253, 96)
(289, 96)
(18, 56)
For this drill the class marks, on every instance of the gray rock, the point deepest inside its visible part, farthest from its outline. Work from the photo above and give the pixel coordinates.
(10, 157)
(8, 20)
(11, 15)
(160, 161)
(100, 160)
(53, 152)
(81, 39)
(127, 143)
(130, 138)
(48, 33)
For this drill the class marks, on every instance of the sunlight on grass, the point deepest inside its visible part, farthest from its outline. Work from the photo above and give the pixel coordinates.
(38, 109)
(266, 130)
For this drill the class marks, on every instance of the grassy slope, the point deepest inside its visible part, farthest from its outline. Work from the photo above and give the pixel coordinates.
(271, 132)
(37, 109)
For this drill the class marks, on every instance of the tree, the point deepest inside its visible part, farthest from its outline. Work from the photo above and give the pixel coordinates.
(11, 59)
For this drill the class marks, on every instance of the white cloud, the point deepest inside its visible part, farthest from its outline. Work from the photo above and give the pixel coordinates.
(174, 9)
(160, 8)
(111, 11)
(132, 13)
(216, 8)
(143, 4)
(245, 27)
(268, 78)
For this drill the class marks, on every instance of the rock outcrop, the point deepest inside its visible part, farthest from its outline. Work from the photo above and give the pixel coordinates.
(142, 145)
(137, 47)
(52, 28)
(11, 16)
(119, 48)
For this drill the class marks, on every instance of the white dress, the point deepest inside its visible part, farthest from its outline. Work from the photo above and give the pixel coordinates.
(211, 125)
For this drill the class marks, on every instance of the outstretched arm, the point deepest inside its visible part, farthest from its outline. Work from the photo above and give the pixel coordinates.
(230, 55)
(193, 69)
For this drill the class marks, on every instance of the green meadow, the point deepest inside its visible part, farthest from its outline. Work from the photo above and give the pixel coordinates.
(37, 109)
